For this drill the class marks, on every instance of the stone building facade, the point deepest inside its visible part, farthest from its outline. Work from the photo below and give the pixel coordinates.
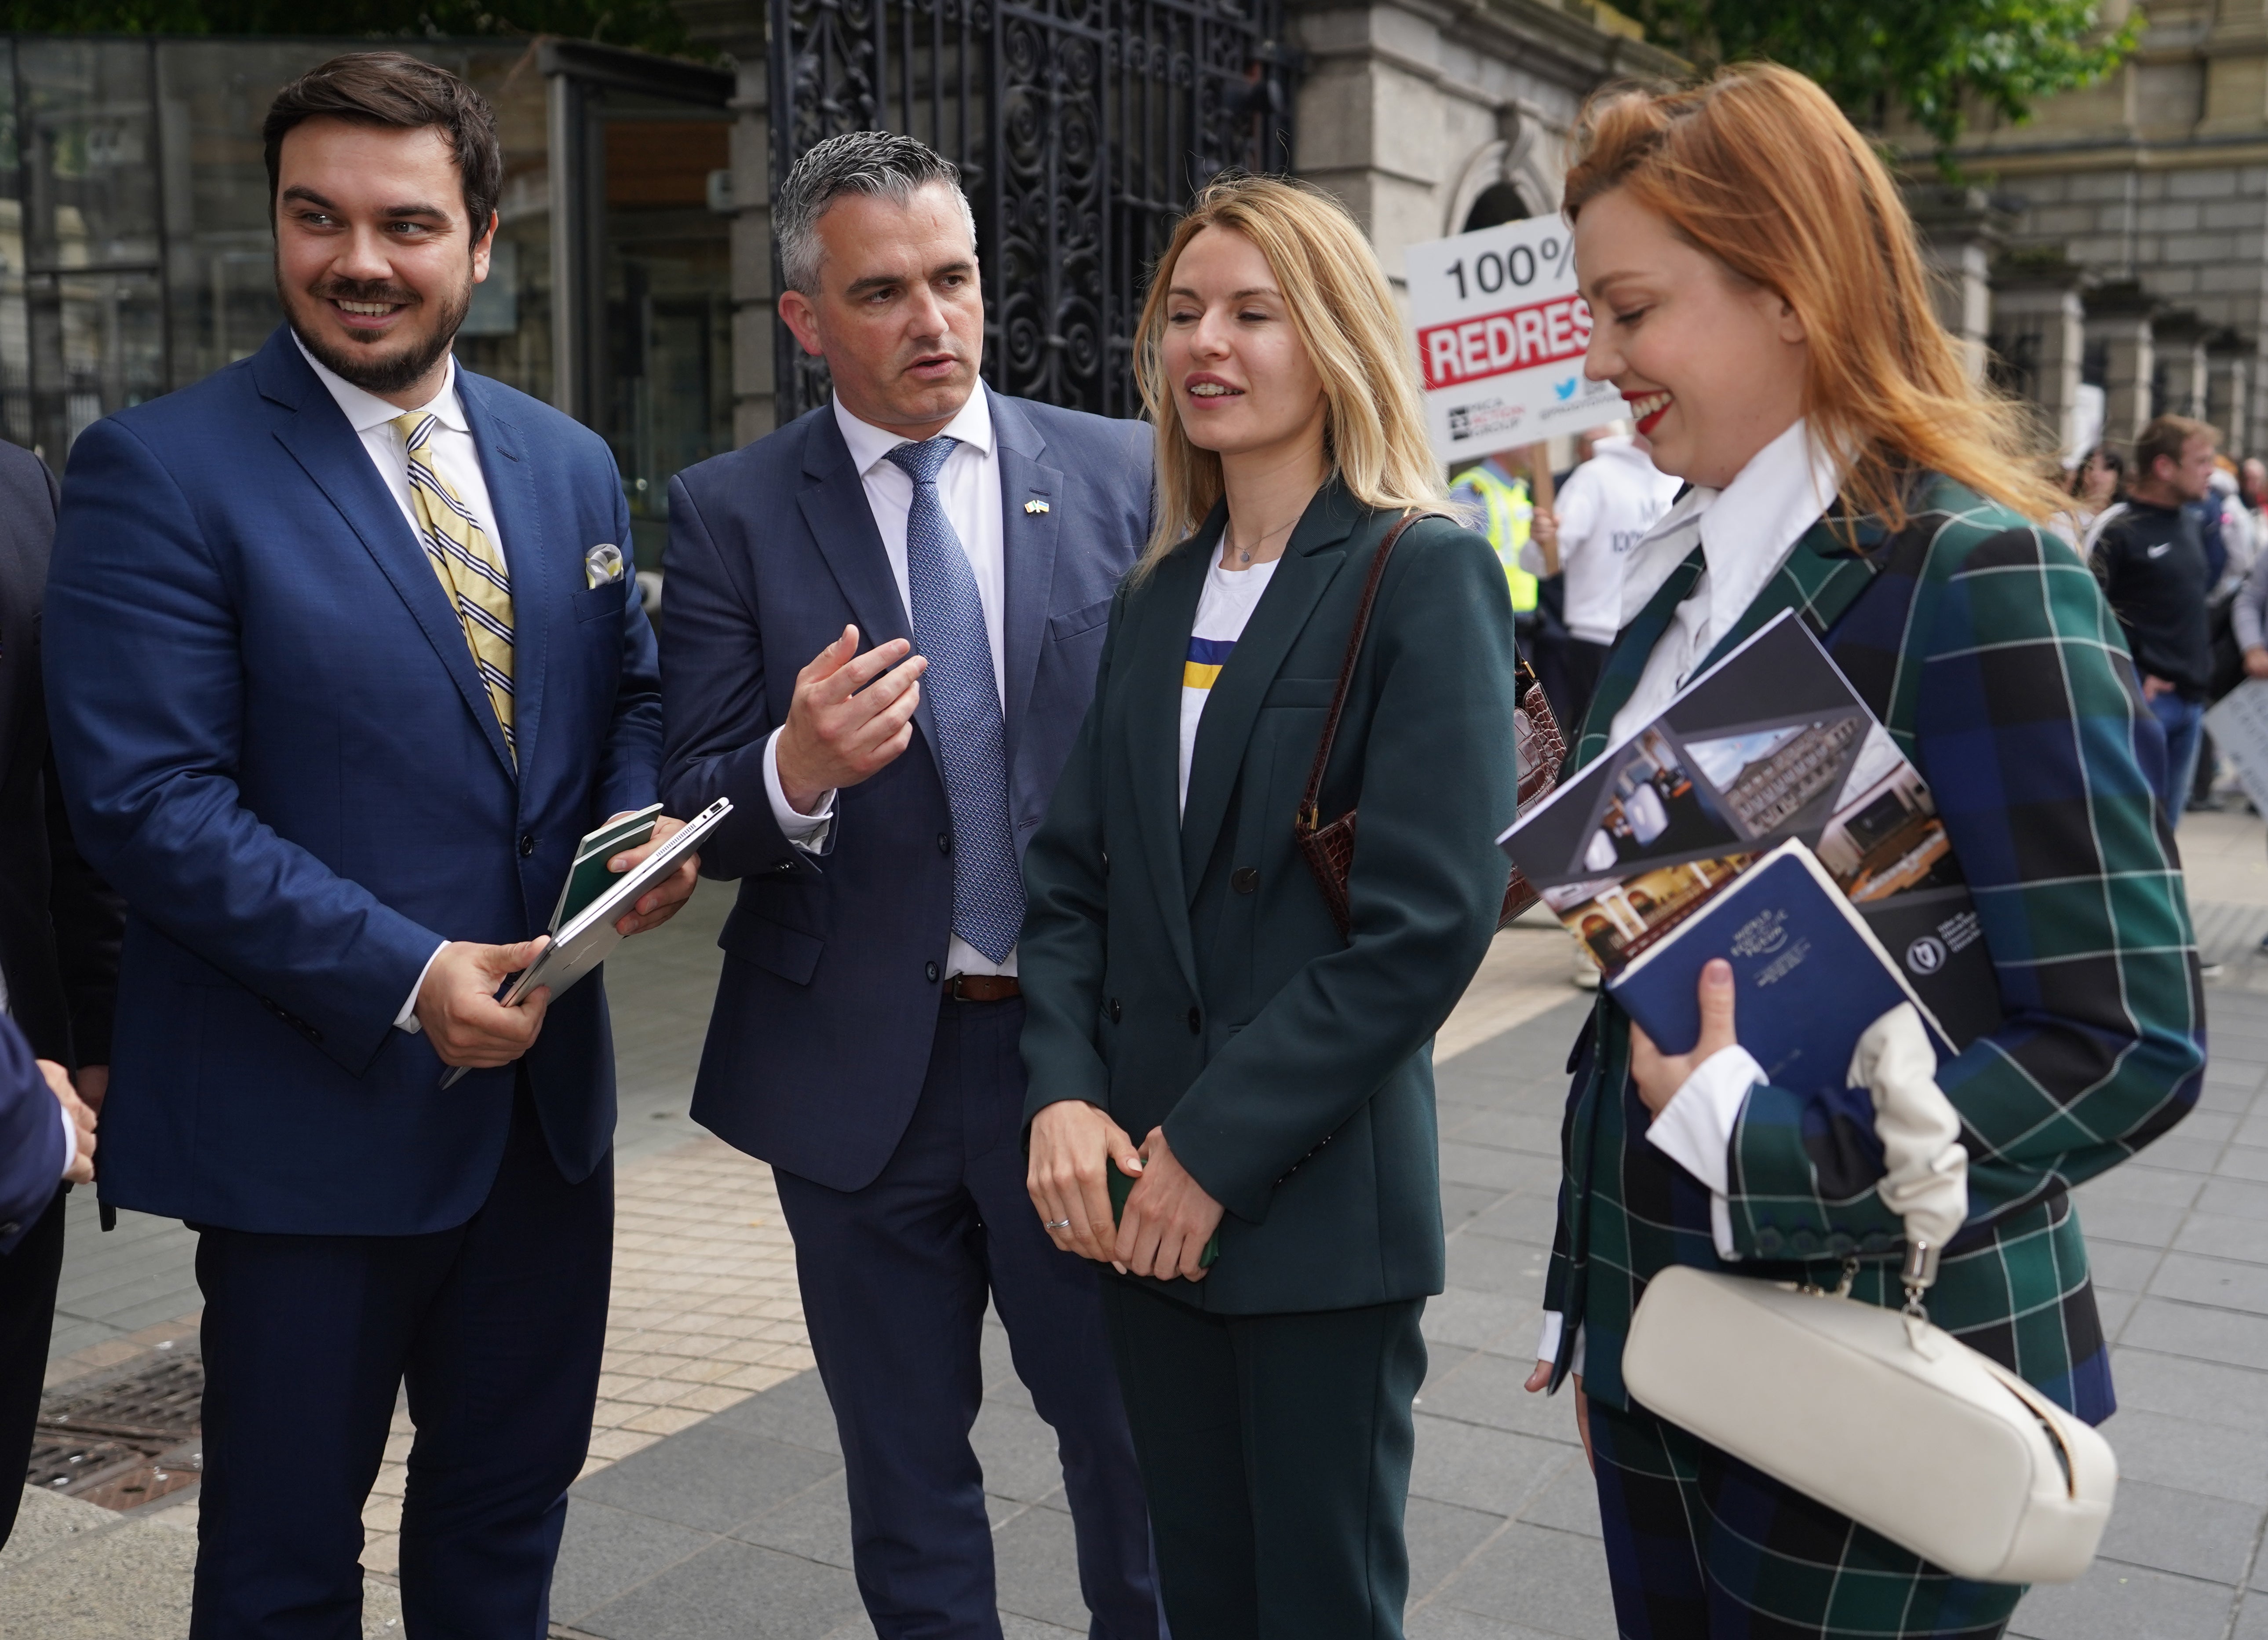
(1426, 116)
(2123, 240)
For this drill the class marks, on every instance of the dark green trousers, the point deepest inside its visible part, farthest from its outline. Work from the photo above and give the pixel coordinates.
(1276, 1450)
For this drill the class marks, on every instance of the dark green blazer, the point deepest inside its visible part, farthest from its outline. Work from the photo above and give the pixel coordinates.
(1184, 971)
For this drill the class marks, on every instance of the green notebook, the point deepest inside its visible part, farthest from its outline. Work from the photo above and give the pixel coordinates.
(588, 877)
(1121, 1186)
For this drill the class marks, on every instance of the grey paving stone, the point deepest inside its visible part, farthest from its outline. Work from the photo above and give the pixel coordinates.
(710, 1479)
(2191, 1456)
(2118, 1267)
(1532, 1133)
(2236, 1198)
(1569, 1502)
(1490, 1470)
(2140, 1181)
(606, 1551)
(1017, 1451)
(2219, 1238)
(732, 1590)
(2115, 1601)
(1486, 1388)
(2205, 1392)
(2186, 1152)
(1460, 1203)
(2250, 1162)
(1464, 1163)
(1553, 1582)
(1441, 1536)
(1478, 1321)
(2143, 1224)
(2222, 1283)
(813, 1525)
(1447, 1623)
(2214, 1126)
(2183, 1531)
(1528, 1219)
(2114, 1308)
(2252, 1620)
(1483, 1263)
(1035, 1569)
(794, 1411)
(2230, 1336)
(1015, 1627)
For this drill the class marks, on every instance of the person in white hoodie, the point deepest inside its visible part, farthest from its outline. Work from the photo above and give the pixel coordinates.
(1602, 511)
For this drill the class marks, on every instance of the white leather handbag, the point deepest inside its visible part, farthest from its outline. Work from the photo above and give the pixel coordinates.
(1876, 1412)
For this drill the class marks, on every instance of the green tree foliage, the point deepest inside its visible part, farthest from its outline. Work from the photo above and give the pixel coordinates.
(1934, 59)
(647, 25)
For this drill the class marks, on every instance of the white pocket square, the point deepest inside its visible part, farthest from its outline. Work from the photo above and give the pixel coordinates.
(602, 563)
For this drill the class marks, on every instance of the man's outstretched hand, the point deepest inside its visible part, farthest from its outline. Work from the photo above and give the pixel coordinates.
(850, 716)
(458, 1009)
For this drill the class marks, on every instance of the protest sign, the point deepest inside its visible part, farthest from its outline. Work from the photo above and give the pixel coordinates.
(1500, 335)
(2238, 724)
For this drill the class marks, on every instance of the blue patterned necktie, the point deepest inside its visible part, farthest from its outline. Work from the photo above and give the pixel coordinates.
(964, 698)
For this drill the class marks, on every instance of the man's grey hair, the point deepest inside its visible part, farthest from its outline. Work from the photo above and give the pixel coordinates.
(877, 163)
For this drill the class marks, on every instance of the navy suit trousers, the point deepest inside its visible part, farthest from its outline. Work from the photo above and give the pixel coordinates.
(895, 1281)
(496, 1326)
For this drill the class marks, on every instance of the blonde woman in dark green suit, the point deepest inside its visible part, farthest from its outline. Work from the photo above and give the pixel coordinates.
(1195, 1019)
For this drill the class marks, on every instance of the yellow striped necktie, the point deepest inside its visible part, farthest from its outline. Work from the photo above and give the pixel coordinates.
(472, 570)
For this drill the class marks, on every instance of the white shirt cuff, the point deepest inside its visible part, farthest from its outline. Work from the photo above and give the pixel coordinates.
(807, 832)
(1547, 1346)
(70, 1137)
(1694, 1130)
(407, 1019)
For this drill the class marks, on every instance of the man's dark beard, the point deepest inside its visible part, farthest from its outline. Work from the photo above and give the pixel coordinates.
(390, 373)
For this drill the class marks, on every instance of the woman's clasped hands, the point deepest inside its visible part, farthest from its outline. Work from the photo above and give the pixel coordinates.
(1169, 1217)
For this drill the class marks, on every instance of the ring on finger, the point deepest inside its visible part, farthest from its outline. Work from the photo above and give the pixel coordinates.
(1058, 1224)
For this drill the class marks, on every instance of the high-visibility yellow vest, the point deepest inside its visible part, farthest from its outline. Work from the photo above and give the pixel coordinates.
(1509, 513)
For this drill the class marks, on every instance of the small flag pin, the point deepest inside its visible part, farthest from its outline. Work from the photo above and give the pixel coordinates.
(1036, 505)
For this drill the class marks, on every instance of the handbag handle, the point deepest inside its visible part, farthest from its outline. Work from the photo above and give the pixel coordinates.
(1308, 816)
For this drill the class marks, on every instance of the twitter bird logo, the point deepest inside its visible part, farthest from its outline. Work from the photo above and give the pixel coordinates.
(1565, 389)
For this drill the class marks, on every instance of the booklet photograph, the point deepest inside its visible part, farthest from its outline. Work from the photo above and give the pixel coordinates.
(1769, 744)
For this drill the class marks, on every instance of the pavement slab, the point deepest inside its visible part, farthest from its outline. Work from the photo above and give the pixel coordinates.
(713, 1502)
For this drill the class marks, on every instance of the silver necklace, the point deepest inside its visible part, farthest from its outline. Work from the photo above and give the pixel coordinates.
(1244, 554)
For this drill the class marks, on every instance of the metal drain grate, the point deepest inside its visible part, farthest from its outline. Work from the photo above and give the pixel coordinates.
(125, 1442)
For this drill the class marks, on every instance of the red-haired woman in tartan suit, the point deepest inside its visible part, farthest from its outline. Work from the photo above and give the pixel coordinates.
(1758, 295)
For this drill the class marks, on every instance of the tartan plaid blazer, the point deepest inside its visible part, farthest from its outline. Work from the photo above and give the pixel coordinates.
(1985, 646)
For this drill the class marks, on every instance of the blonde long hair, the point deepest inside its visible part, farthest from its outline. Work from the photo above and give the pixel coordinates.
(1374, 424)
(1759, 168)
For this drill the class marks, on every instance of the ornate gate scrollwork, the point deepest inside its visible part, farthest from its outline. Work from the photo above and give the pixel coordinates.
(1082, 129)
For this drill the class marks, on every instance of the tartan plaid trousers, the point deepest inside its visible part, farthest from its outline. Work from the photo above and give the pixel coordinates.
(1985, 646)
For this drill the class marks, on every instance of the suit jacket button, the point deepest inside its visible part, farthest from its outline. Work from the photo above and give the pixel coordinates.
(1117, 1013)
(945, 842)
(526, 844)
(1197, 1022)
(1106, 862)
(1246, 880)
(929, 972)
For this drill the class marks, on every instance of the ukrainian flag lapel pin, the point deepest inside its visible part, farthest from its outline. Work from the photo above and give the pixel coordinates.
(1036, 505)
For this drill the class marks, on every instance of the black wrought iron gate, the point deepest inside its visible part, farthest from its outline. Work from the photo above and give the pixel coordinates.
(1082, 129)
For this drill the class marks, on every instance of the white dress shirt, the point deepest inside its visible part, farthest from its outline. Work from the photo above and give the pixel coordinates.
(1746, 532)
(456, 460)
(968, 488)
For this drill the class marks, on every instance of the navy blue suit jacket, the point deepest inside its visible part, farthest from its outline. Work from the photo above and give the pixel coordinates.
(30, 1139)
(821, 1038)
(273, 744)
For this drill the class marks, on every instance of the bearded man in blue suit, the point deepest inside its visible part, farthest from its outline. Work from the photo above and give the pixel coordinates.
(343, 661)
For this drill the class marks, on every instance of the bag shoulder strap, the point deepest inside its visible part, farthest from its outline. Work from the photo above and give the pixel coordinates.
(1308, 816)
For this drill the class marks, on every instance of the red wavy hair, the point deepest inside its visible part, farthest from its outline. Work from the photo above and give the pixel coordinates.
(1760, 169)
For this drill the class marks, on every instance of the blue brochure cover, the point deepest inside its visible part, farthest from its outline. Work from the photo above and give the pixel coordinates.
(1809, 975)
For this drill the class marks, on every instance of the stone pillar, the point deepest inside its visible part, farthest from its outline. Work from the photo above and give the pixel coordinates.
(2039, 328)
(2178, 348)
(737, 28)
(1960, 229)
(2229, 391)
(2118, 319)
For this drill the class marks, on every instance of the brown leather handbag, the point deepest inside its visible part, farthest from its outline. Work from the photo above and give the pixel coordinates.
(1329, 848)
